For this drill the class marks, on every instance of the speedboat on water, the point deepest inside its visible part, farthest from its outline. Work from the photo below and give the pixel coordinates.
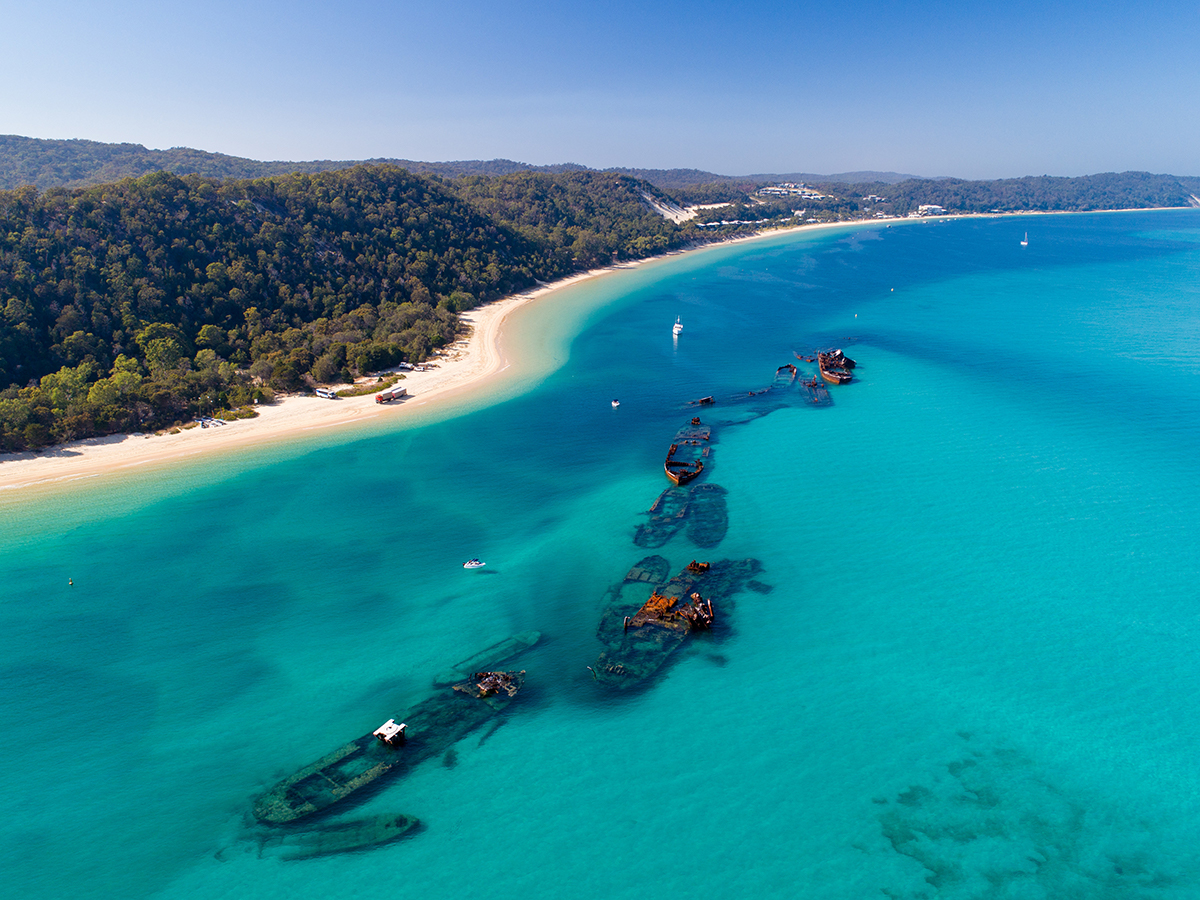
(678, 326)
(474, 564)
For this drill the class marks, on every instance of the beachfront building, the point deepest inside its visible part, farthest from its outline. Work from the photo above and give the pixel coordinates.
(791, 189)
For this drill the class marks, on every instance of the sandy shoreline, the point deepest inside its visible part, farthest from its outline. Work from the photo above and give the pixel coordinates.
(467, 366)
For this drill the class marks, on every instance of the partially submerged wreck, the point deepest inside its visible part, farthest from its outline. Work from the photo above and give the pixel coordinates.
(667, 514)
(502, 651)
(700, 508)
(835, 366)
(689, 449)
(816, 391)
(639, 639)
(346, 837)
(428, 729)
(708, 516)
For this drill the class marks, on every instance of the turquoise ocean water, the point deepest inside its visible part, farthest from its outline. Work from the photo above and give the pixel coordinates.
(974, 676)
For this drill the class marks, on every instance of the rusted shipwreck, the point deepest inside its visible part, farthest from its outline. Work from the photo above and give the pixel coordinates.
(639, 639)
(835, 366)
(691, 446)
(816, 391)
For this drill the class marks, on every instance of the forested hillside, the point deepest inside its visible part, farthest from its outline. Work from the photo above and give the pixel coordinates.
(139, 304)
(47, 164)
(583, 219)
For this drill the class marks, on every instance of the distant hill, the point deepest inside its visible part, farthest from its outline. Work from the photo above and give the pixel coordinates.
(80, 163)
(1042, 193)
(841, 178)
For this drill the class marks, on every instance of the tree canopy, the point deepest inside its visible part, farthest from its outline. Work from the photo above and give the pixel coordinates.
(140, 303)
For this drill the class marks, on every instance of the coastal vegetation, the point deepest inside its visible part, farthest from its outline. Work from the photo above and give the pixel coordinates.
(143, 303)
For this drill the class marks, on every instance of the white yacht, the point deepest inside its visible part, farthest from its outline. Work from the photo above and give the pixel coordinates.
(678, 327)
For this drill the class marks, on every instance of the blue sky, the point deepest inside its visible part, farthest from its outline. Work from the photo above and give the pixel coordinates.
(931, 88)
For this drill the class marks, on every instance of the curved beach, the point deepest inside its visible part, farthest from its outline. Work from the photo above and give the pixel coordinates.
(469, 366)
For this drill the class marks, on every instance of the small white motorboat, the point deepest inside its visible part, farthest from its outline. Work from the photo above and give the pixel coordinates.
(616, 403)
(678, 326)
(474, 564)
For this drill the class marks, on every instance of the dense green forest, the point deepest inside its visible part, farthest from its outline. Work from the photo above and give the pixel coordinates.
(139, 304)
(583, 219)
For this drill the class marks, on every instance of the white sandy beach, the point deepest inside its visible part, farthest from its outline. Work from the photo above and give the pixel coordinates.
(468, 365)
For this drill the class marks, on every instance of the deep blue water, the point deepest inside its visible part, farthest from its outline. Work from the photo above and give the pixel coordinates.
(972, 678)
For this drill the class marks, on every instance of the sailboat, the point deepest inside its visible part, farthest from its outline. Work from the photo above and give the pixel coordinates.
(1025, 240)
(678, 326)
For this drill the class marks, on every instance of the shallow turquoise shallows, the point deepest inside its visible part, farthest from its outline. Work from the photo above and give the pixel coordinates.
(973, 675)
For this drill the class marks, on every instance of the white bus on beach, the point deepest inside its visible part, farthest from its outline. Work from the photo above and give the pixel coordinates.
(326, 393)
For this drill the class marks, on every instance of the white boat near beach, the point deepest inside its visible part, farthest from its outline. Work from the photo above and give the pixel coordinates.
(1025, 240)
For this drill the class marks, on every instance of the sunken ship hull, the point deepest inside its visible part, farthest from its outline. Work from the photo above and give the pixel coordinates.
(668, 515)
(347, 837)
(701, 509)
(685, 458)
(835, 366)
(433, 726)
(708, 515)
(816, 392)
(489, 658)
(638, 641)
